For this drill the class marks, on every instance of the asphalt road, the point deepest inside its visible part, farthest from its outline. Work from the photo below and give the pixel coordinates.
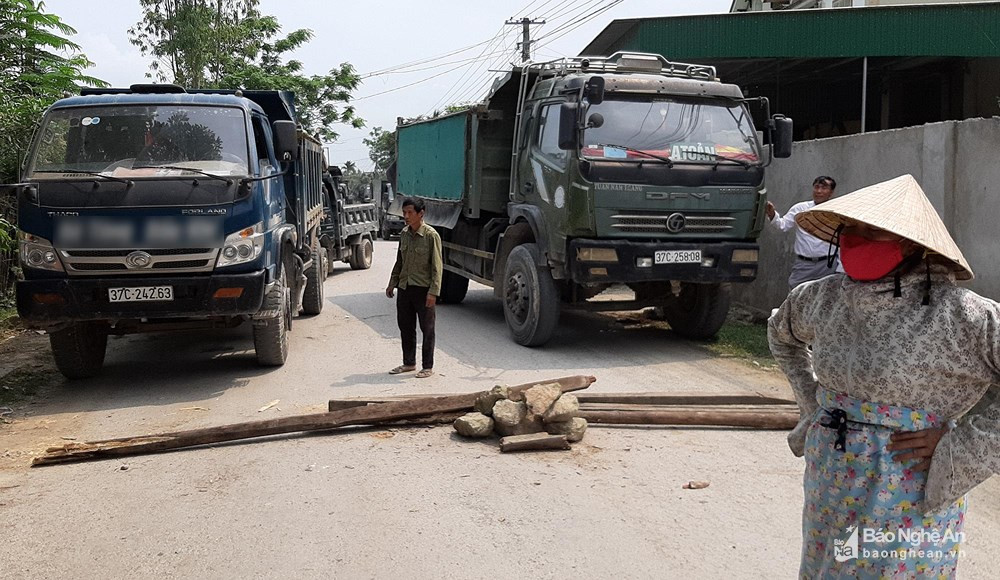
(406, 502)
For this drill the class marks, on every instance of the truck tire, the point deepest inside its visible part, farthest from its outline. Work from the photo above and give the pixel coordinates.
(361, 255)
(530, 297)
(312, 300)
(79, 349)
(453, 288)
(270, 336)
(699, 311)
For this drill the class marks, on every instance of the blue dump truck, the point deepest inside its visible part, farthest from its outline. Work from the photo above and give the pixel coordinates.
(158, 208)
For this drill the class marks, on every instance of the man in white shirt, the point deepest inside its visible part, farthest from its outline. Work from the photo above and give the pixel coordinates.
(811, 253)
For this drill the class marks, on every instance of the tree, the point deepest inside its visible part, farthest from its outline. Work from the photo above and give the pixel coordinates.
(37, 66)
(381, 149)
(229, 44)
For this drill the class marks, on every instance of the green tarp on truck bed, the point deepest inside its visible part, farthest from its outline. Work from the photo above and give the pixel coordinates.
(432, 158)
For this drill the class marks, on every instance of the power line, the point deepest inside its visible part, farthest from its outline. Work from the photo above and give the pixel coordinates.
(401, 87)
(461, 80)
(583, 20)
(570, 20)
(422, 61)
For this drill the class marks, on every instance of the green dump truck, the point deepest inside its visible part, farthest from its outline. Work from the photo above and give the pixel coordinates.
(583, 174)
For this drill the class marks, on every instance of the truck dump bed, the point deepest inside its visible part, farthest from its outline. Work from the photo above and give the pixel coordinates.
(459, 158)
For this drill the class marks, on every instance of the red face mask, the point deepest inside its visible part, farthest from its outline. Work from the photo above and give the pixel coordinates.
(865, 259)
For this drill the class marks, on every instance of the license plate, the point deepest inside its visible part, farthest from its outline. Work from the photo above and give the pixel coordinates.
(141, 294)
(678, 257)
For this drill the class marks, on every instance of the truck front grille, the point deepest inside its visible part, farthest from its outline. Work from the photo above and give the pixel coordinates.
(113, 261)
(650, 223)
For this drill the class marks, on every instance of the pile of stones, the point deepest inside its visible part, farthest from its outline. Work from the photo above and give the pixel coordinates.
(543, 409)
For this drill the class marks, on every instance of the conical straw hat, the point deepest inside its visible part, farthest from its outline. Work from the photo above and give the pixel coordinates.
(898, 206)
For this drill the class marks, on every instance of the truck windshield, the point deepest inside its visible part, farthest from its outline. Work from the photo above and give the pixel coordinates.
(134, 141)
(690, 130)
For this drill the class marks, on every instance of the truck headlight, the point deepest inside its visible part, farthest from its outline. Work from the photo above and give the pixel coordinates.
(38, 253)
(242, 246)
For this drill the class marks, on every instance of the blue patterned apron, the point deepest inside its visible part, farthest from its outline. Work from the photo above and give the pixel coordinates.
(863, 515)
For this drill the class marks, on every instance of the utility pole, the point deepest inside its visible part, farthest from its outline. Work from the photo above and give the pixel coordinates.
(525, 35)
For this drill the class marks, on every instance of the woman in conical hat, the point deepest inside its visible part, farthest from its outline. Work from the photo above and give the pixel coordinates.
(892, 366)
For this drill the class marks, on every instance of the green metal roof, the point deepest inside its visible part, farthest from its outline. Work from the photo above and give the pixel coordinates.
(960, 30)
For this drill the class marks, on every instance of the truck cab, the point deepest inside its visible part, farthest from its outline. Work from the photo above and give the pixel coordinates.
(154, 208)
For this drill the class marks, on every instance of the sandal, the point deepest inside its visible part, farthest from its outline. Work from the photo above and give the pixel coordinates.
(402, 369)
(424, 373)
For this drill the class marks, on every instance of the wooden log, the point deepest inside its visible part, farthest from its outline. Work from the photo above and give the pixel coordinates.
(609, 398)
(368, 415)
(533, 442)
(720, 417)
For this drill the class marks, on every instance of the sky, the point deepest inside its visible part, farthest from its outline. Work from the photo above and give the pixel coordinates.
(376, 35)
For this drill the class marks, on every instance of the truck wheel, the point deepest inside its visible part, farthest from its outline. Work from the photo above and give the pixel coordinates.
(384, 232)
(270, 336)
(699, 311)
(453, 288)
(312, 299)
(530, 297)
(79, 349)
(361, 255)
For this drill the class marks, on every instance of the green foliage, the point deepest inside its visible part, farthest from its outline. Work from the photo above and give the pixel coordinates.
(381, 149)
(229, 44)
(37, 66)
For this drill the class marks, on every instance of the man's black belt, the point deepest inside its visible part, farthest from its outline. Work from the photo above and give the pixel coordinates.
(808, 259)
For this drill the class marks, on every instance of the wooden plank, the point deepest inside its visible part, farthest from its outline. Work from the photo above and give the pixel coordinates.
(533, 442)
(620, 398)
(368, 415)
(721, 418)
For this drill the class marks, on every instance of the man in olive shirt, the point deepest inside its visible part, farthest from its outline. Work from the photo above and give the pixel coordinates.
(417, 274)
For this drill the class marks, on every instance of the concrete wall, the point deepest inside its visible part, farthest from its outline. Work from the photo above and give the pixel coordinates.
(956, 162)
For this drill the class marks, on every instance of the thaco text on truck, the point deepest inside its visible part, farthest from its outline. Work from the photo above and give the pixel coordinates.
(155, 208)
(580, 174)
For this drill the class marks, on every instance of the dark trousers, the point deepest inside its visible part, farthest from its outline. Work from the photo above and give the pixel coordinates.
(411, 308)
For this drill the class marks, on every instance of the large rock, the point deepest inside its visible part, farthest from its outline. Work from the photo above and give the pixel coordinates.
(572, 429)
(565, 408)
(484, 402)
(540, 398)
(509, 413)
(513, 418)
(474, 425)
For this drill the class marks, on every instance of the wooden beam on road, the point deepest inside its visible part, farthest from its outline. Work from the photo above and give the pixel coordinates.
(781, 420)
(367, 415)
(683, 398)
(533, 442)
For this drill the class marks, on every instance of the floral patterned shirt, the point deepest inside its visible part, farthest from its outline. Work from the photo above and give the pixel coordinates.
(943, 358)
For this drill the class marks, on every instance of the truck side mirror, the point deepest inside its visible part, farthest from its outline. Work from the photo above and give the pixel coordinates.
(285, 139)
(568, 128)
(781, 137)
(596, 121)
(593, 91)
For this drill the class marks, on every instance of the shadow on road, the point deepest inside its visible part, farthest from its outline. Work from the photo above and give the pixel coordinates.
(476, 334)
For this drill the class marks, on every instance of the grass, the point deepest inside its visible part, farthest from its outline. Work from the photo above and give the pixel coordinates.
(744, 341)
(8, 321)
